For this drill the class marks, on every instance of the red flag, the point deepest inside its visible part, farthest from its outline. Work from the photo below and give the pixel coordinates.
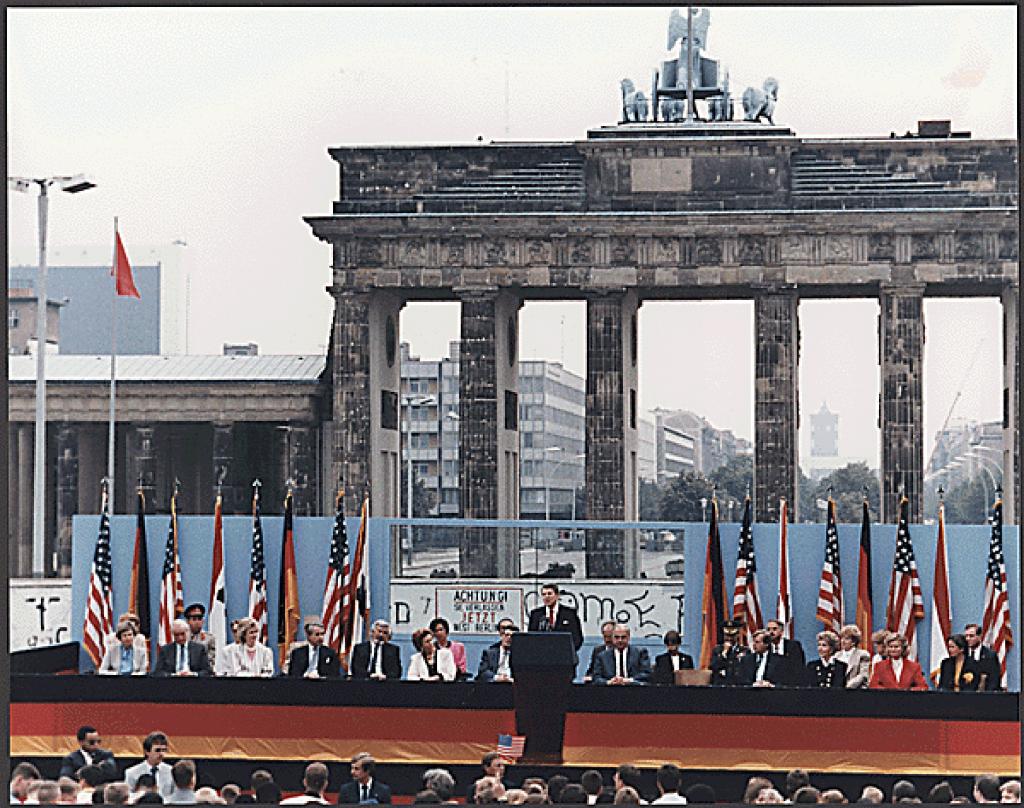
(746, 607)
(830, 590)
(288, 592)
(864, 616)
(995, 627)
(713, 601)
(783, 609)
(99, 614)
(122, 270)
(942, 620)
(906, 606)
(218, 593)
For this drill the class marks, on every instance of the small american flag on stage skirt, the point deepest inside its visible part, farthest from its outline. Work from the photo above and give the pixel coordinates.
(511, 747)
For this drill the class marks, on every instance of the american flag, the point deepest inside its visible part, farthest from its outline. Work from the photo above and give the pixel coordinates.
(511, 747)
(258, 570)
(783, 609)
(99, 613)
(745, 604)
(357, 593)
(995, 626)
(172, 603)
(336, 588)
(830, 590)
(906, 606)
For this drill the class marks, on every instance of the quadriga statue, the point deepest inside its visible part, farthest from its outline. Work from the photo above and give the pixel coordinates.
(759, 104)
(634, 102)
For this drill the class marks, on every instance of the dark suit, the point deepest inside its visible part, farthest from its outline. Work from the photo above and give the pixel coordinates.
(638, 665)
(597, 649)
(988, 666)
(489, 661)
(969, 676)
(198, 661)
(391, 662)
(818, 674)
(103, 758)
(566, 619)
(793, 663)
(348, 794)
(746, 669)
(723, 664)
(664, 672)
(327, 664)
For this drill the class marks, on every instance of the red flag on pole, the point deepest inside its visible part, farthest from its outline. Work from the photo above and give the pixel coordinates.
(783, 609)
(122, 270)
(713, 601)
(942, 619)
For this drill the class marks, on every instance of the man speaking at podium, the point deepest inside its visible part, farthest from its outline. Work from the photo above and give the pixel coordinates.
(554, 616)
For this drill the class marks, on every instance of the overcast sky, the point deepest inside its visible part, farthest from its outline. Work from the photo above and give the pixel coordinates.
(212, 126)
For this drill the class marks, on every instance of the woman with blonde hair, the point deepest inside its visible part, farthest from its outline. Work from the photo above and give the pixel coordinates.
(250, 657)
(858, 661)
(430, 663)
(897, 671)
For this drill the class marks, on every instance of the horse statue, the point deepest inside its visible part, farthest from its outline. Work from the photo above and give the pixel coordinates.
(759, 104)
(720, 106)
(634, 103)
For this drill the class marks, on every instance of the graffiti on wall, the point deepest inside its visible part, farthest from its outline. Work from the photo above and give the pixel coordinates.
(40, 613)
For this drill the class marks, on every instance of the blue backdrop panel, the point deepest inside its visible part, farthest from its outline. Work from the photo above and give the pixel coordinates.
(967, 547)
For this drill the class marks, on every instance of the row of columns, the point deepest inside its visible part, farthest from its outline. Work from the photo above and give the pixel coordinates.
(367, 436)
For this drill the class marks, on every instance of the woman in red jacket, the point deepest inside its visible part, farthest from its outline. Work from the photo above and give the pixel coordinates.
(896, 672)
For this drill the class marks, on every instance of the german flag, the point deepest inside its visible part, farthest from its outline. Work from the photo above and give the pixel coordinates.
(288, 615)
(713, 602)
(864, 617)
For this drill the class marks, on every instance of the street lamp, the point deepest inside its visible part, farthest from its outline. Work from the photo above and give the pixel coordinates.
(71, 185)
(703, 509)
(410, 402)
(547, 482)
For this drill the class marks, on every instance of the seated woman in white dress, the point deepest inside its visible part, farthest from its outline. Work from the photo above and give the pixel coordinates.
(124, 657)
(251, 658)
(858, 661)
(430, 663)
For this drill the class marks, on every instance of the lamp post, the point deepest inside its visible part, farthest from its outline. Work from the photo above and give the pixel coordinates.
(703, 509)
(410, 402)
(71, 185)
(547, 483)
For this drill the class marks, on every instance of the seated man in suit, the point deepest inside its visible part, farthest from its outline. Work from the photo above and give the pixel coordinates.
(554, 616)
(622, 664)
(984, 658)
(791, 652)
(761, 667)
(88, 753)
(364, 788)
(607, 627)
(314, 660)
(666, 665)
(377, 659)
(182, 657)
(496, 660)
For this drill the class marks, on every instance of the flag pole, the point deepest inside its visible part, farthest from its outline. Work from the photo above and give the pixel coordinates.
(113, 376)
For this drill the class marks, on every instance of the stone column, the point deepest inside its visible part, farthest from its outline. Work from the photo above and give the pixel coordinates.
(776, 401)
(301, 468)
(13, 515)
(226, 471)
(67, 493)
(92, 466)
(1011, 404)
(142, 468)
(366, 375)
(611, 431)
(901, 403)
(26, 443)
(488, 430)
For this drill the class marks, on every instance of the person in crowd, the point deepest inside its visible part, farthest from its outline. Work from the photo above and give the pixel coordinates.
(555, 785)
(806, 794)
(426, 797)
(149, 798)
(761, 667)
(429, 663)
(194, 615)
(68, 788)
(555, 616)
(154, 746)
(896, 671)
(957, 672)
(88, 753)
(985, 660)
(795, 780)
(872, 794)
(832, 795)
(314, 784)
(986, 788)
(666, 664)
(208, 796)
(627, 775)
(124, 657)
(856, 659)
(268, 794)
(116, 794)
(441, 782)
(496, 660)
(489, 790)
(903, 789)
(669, 779)
(493, 765)
(700, 793)
(627, 795)
(228, 650)
(768, 796)
(44, 792)
(791, 652)
(593, 785)
(378, 658)
(755, 785)
(623, 664)
(878, 648)
(1010, 791)
(440, 628)
(827, 670)
(364, 787)
(252, 658)
(314, 660)
(89, 778)
(572, 794)
(147, 784)
(181, 657)
(229, 792)
(726, 655)
(183, 773)
(607, 627)
(941, 792)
